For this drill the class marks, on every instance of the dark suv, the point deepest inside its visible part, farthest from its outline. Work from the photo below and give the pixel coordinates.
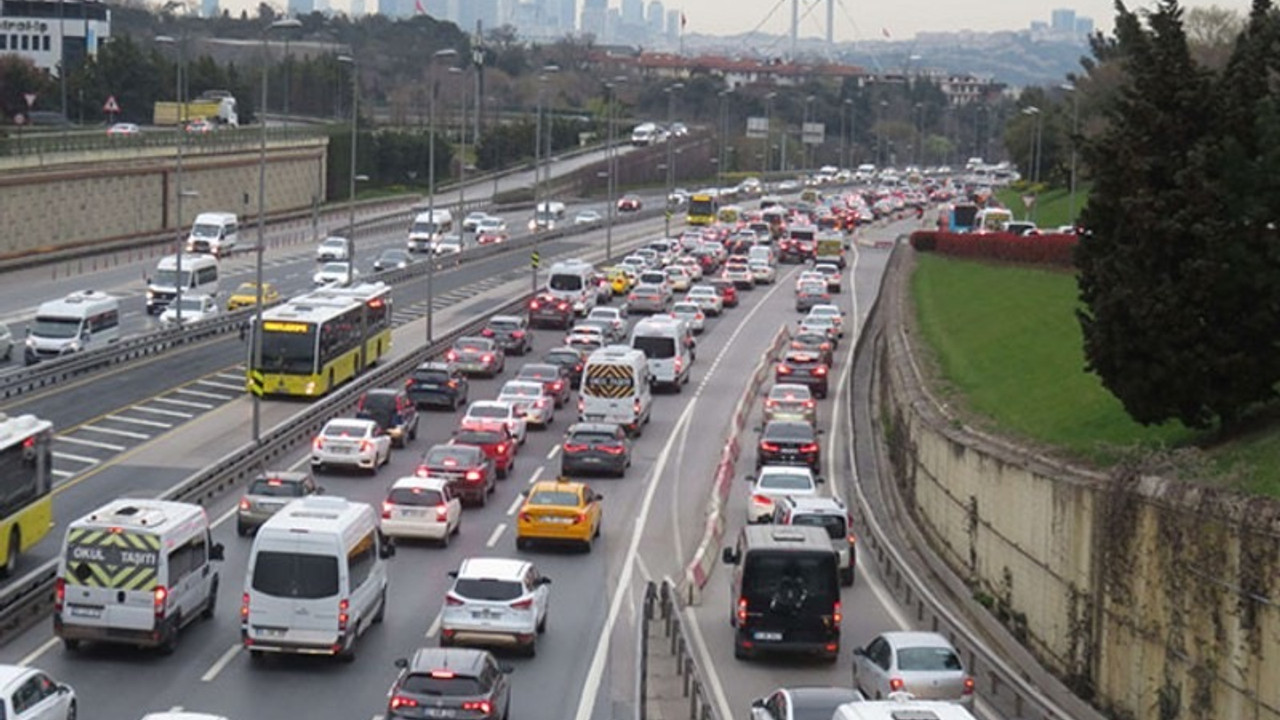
(466, 467)
(789, 442)
(393, 410)
(548, 310)
(450, 682)
(438, 384)
(511, 332)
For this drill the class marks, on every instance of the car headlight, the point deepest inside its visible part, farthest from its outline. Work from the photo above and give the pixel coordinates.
(150, 294)
(31, 343)
(73, 346)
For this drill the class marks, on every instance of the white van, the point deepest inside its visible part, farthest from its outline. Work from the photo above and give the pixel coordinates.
(667, 343)
(197, 275)
(616, 388)
(427, 228)
(644, 134)
(571, 280)
(901, 705)
(762, 253)
(215, 233)
(135, 572)
(317, 579)
(81, 321)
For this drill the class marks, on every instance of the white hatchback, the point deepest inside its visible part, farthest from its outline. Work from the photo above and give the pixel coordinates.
(495, 601)
(30, 694)
(335, 273)
(829, 311)
(347, 442)
(690, 312)
(707, 298)
(763, 272)
(776, 482)
(422, 507)
(483, 412)
(530, 398)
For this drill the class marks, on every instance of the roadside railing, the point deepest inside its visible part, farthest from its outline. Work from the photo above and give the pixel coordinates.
(18, 144)
(692, 674)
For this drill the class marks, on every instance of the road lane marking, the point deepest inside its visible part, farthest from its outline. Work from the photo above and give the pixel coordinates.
(231, 376)
(223, 386)
(62, 473)
(183, 403)
(119, 433)
(34, 655)
(200, 394)
(212, 673)
(90, 443)
(225, 516)
(76, 458)
(497, 533)
(536, 474)
(136, 421)
(555, 450)
(515, 505)
(166, 413)
(435, 626)
(846, 373)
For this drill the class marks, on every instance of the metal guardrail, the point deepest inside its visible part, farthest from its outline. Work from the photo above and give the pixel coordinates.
(693, 676)
(18, 144)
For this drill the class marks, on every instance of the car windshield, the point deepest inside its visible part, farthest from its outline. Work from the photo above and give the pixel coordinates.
(488, 589)
(565, 282)
(415, 496)
(797, 393)
(334, 268)
(478, 437)
(565, 358)
(790, 576)
(271, 487)
(655, 348)
(170, 278)
(431, 376)
(295, 575)
(190, 303)
(685, 309)
(55, 327)
(560, 498)
(248, 289)
(813, 288)
(345, 430)
(471, 345)
(449, 455)
(378, 403)
(205, 230)
(452, 686)
(489, 411)
(786, 481)
(833, 524)
(928, 659)
(521, 390)
(505, 324)
(788, 431)
(583, 437)
(334, 244)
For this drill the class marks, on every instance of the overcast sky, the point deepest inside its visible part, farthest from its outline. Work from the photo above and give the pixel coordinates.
(863, 20)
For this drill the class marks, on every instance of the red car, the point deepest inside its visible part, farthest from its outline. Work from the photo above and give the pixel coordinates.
(629, 203)
(491, 238)
(494, 439)
(727, 290)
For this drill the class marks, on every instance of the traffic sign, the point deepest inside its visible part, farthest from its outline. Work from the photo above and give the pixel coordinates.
(111, 106)
(31, 99)
(257, 383)
(1028, 200)
(535, 260)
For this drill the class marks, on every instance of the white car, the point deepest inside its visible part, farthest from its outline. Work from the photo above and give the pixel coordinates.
(679, 278)
(691, 266)
(829, 311)
(473, 219)
(422, 507)
(30, 694)
(347, 442)
(613, 316)
(124, 129)
(810, 276)
(691, 313)
(764, 273)
(495, 601)
(636, 263)
(194, 309)
(335, 273)
(823, 324)
(491, 225)
(707, 298)
(831, 273)
(483, 412)
(333, 248)
(587, 217)
(775, 482)
(448, 245)
(531, 399)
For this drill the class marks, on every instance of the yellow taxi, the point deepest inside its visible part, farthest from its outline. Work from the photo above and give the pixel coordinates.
(559, 511)
(247, 296)
(619, 279)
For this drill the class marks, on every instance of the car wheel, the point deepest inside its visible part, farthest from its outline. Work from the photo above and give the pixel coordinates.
(484, 499)
(413, 434)
(521, 543)
(241, 529)
(740, 652)
(504, 472)
(444, 539)
(11, 558)
(211, 606)
(70, 645)
(542, 624)
(71, 710)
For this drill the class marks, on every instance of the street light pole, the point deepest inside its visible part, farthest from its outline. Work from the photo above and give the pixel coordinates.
(445, 54)
(671, 160)
(1033, 165)
(1075, 135)
(804, 147)
(768, 132)
(180, 45)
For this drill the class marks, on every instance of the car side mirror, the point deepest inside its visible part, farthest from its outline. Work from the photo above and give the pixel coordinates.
(453, 574)
(729, 556)
(320, 491)
(217, 552)
(757, 704)
(544, 581)
(819, 480)
(505, 669)
(859, 652)
(524, 493)
(402, 663)
(599, 496)
(63, 689)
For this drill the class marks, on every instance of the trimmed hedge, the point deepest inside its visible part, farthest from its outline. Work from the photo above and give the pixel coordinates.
(1053, 249)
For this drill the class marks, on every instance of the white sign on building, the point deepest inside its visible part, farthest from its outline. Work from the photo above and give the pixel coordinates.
(757, 128)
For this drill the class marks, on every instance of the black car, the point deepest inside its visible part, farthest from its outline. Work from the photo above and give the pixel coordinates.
(450, 682)
(438, 384)
(393, 410)
(392, 258)
(789, 442)
(595, 448)
(554, 378)
(510, 332)
(803, 367)
(568, 358)
(465, 467)
(549, 311)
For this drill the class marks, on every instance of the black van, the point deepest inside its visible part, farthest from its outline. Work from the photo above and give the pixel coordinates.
(786, 591)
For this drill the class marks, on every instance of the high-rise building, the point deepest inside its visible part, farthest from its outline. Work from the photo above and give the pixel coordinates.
(633, 12)
(656, 18)
(1063, 21)
(594, 14)
(673, 25)
(568, 15)
(300, 7)
(1084, 26)
(209, 8)
(613, 24)
(357, 9)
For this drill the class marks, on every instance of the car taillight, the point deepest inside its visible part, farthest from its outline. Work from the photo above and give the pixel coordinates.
(244, 504)
(761, 499)
(810, 403)
(343, 617)
(809, 448)
(770, 403)
(742, 610)
(481, 706)
(486, 358)
(579, 518)
(784, 370)
(635, 406)
(501, 449)
(820, 370)
(582, 405)
(524, 604)
(442, 512)
(159, 596)
(679, 364)
(574, 447)
(318, 443)
(517, 334)
(612, 449)
(244, 607)
(836, 614)
(968, 686)
(386, 509)
(59, 594)
(422, 471)
(767, 446)
(451, 599)
(557, 385)
(563, 305)
(400, 701)
(366, 445)
(451, 355)
(473, 475)
(487, 332)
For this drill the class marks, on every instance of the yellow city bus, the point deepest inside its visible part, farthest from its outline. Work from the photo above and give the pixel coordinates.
(315, 342)
(702, 209)
(26, 485)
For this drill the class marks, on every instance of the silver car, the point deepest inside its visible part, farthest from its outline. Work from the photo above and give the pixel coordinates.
(6, 343)
(648, 299)
(921, 663)
(268, 493)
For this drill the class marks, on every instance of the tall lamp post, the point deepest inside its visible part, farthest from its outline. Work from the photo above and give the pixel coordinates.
(1033, 164)
(611, 156)
(884, 106)
(541, 208)
(670, 90)
(284, 24)
(1075, 141)
(723, 132)
(351, 186)
(179, 95)
(845, 159)
(768, 132)
(445, 54)
(804, 147)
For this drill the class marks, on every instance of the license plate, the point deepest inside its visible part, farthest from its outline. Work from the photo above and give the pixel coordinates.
(595, 418)
(343, 450)
(788, 452)
(768, 636)
(271, 632)
(86, 611)
(430, 386)
(441, 712)
(409, 512)
(484, 614)
(558, 520)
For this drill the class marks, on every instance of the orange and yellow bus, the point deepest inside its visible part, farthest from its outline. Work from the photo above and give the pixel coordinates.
(26, 485)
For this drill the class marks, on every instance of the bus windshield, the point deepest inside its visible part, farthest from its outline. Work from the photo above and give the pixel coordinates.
(701, 205)
(289, 352)
(55, 327)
